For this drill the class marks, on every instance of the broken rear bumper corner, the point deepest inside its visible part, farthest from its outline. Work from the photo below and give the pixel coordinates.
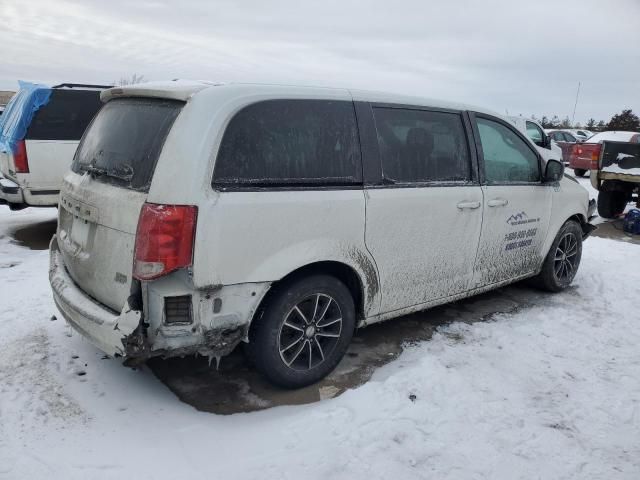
(104, 328)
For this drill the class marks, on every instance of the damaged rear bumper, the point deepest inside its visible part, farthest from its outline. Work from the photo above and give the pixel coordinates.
(104, 328)
(220, 316)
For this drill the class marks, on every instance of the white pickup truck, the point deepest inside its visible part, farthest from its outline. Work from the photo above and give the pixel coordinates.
(39, 133)
(544, 143)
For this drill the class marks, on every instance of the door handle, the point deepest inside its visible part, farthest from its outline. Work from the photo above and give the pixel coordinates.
(469, 205)
(497, 202)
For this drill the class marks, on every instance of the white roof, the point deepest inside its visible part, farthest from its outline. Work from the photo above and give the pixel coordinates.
(613, 136)
(185, 89)
(175, 89)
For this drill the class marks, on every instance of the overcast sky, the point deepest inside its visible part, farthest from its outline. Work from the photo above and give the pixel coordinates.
(524, 57)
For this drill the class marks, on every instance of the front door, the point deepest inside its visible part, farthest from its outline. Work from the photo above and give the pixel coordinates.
(423, 220)
(517, 205)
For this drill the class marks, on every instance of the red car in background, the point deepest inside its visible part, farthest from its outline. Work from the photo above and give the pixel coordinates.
(565, 140)
(580, 156)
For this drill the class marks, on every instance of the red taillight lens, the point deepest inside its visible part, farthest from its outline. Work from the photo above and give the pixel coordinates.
(595, 156)
(164, 240)
(20, 160)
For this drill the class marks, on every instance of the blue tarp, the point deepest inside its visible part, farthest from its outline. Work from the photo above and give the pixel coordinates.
(17, 116)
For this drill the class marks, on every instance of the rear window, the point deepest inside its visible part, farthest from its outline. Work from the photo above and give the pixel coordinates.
(65, 116)
(122, 144)
(290, 142)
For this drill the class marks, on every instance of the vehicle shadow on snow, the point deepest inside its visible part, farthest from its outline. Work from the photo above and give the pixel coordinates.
(235, 387)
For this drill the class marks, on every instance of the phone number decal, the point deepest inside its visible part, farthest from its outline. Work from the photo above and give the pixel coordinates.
(520, 239)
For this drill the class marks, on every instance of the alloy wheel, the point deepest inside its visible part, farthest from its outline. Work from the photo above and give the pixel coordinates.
(566, 258)
(310, 332)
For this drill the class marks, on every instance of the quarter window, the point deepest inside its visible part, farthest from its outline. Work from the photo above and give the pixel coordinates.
(507, 157)
(422, 146)
(291, 142)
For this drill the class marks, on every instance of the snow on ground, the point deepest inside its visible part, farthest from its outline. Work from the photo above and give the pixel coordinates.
(551, 391)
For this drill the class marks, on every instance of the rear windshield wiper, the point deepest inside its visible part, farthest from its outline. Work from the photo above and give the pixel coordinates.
(95, 171)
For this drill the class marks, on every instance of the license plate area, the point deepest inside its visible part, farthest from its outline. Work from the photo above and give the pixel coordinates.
(80, 229)
(83, 218)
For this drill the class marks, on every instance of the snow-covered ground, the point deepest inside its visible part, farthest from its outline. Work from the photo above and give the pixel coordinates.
(550, 392)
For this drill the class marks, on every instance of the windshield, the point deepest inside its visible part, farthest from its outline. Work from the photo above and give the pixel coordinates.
(124, 141)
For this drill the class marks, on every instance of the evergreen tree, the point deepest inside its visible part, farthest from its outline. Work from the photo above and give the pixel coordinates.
(601, 126)
(591, 124)
(625, 121)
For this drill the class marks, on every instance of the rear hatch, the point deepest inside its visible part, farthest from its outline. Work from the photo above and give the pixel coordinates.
(101, 198)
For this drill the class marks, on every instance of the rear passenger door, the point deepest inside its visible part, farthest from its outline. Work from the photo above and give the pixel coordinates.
(423, 202)
(517, 205)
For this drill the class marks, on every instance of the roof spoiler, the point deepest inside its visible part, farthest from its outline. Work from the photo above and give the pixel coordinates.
(80, 85)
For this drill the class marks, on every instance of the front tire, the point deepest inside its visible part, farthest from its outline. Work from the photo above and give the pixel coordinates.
(561, 263)
(304, 331)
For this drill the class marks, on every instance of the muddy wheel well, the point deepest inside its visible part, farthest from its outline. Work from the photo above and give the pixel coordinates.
(580, 220)
(341, 271)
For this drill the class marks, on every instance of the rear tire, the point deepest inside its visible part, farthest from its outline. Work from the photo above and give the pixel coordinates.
(611, 203)
(561, 263)
(579, 172)
(304, 331)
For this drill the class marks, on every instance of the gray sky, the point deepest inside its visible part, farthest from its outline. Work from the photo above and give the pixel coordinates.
(522, 56)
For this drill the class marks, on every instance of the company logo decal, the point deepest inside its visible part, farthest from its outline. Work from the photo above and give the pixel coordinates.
(521, 219)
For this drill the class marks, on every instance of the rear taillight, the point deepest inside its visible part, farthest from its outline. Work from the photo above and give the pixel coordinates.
(164, 239)
(595, 156)
(20, 160)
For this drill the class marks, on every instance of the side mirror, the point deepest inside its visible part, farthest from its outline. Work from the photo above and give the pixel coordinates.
(547, 142)
(553, 172)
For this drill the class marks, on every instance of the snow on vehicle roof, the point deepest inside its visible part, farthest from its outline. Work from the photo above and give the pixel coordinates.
(615, 136)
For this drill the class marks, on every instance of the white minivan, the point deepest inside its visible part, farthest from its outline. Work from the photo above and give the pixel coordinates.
(198, 216)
